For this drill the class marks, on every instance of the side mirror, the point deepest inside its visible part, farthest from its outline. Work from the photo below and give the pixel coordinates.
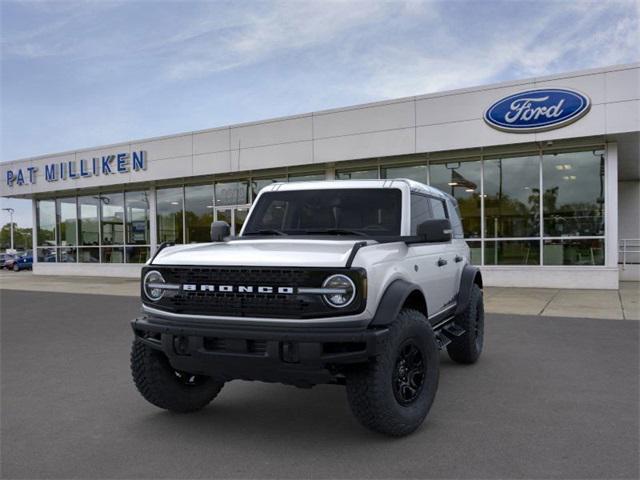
(436, 230)
(219, 231)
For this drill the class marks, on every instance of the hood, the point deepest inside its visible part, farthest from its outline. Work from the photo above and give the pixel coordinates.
(272, 252)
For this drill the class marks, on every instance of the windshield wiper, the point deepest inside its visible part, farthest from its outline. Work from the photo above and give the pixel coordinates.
(267, 231)
(338, 231)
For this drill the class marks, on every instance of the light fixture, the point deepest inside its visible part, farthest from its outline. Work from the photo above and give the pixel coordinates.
(153, 285)
(343, 290)
(452, 184)
(469, 190)
(175, 203)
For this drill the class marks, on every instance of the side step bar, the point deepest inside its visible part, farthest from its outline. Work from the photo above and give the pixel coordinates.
(447, 333)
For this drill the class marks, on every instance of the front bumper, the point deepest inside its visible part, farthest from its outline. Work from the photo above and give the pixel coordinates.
(272, 354)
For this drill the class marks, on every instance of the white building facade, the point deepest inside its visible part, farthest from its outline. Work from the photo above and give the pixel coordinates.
(546, 172)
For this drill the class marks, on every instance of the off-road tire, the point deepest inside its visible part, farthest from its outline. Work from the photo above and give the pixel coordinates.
(468, 347)
(162, 386)
(371, 388)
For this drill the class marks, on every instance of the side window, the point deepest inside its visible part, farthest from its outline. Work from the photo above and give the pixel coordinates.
(438, 208)
(454, 216)
(420, 211)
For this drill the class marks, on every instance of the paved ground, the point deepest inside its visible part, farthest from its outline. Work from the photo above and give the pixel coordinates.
(551, 398)
(612, 304)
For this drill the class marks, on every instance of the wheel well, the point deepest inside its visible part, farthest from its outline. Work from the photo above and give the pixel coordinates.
(478, 280)
(416, 301)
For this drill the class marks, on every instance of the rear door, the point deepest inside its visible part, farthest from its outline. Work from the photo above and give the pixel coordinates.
(449, 261)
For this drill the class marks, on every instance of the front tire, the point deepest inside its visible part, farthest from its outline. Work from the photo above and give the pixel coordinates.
(394, 393)
(163, 386)
(16, 268)
(468, 347)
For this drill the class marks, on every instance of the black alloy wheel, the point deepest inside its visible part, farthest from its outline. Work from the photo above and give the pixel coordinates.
(408, 374)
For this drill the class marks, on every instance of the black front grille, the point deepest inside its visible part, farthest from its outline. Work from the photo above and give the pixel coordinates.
(237, 304)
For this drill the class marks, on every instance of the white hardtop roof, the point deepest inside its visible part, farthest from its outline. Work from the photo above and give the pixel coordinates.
(333, 184)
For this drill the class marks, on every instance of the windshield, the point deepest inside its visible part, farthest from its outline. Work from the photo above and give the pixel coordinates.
(340, 211)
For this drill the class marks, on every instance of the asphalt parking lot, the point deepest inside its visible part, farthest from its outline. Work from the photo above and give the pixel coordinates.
(550, 398)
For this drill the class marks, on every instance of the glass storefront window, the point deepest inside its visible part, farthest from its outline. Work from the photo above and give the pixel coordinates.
(240, 217)
(573, 198)
(461, 180)
(198, 212)
(169, 207)
(112, 218)
(88, 227)
(47, 254)
(46, 218)
(258, 184)
(224, 215)
(232, 193)
(89, 255)
(308, 177)
(475, 248)
(512, 252)
(67, 255)
(573, 252)
(137, 218)
(413, 172)
(137, 254)
(368, 174)
(112, 255)
(512, 197)
(67, 221)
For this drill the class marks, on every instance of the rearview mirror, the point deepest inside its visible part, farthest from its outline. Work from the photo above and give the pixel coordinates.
(435, 230)
(219, 231)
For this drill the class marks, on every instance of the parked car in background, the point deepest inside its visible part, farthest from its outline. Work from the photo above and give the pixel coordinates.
(23, 262)
(7, 260)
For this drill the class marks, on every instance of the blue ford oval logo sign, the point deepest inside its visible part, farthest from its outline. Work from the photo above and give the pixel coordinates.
(537, 110)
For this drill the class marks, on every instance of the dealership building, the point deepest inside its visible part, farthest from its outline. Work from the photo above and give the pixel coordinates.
(545, 170)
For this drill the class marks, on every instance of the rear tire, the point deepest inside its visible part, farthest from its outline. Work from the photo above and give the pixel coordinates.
(394, 392)
(16, 268)
(468, 347)
(163, 386)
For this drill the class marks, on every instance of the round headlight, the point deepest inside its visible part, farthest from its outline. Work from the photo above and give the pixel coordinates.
(343, 290)
(152, 285)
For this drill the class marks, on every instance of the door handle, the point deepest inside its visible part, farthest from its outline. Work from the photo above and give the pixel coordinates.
(442, 262)
(459, 258)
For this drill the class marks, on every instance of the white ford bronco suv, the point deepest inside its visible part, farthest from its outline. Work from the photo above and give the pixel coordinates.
(356, 283)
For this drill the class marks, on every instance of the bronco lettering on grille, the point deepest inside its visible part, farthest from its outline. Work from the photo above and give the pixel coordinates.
(192, 287)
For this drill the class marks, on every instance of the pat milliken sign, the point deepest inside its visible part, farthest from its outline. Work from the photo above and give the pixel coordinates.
(537, 110)
(105, 165)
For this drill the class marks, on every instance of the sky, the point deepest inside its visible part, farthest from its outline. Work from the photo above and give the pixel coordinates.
(87, 73)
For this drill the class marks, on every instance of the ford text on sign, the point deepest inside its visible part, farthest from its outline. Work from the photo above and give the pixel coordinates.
(537, 110)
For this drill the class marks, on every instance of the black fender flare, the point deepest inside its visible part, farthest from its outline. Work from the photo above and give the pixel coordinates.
(392, 301)
(470, 275)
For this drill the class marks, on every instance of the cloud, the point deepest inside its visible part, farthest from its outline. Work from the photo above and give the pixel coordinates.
(525, 47)
(286, 26)
(101, 72)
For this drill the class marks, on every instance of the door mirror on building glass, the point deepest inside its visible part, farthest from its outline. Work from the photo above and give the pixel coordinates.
(434, 230)
(219, 231)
